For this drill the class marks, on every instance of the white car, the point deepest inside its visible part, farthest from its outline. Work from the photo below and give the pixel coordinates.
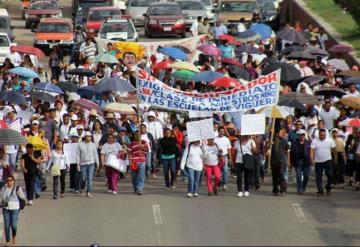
(121, 29)
(5, 44)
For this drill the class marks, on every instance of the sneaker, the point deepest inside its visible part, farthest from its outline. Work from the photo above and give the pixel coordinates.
(173, 187)
(54, 197)
(167, 188)
(88, 195)
(189, 195)
(246, 194)
(139, 193)
(62, 195)
(210, 193)
(31, 203)
(196, 195)
(82, 193)
(77, 192)
(240, 194)
(224, 187)
(37, 196)
(109, 191)
(215, 191)
(114, 192)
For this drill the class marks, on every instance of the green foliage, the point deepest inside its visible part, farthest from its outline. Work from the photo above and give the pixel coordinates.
(351, 6)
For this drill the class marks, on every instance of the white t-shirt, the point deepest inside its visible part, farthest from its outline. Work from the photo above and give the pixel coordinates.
(322, 149)
(211, 155)
(246, 149)
(223, 143)
(329, 117)
(108, 149)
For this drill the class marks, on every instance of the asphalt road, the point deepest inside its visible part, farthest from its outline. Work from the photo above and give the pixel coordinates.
(161, 217)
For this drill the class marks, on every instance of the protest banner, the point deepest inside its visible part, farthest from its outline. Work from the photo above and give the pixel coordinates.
(16, 125)
(252, 124)
(197, 114)
(200, 130)
(72, 151)
(258, 93)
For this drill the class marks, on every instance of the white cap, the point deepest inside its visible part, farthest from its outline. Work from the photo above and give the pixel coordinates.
(301, 132)
(80, 127)
(88, 133)
(74, 117)
(151, 114)
(73, 132)
(334, 129)
(35, 122)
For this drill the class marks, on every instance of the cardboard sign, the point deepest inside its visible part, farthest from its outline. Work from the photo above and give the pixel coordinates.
(72, 151)
(252, 124)
(200, 130)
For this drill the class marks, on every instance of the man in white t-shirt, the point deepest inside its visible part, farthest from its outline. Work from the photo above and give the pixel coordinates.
(321, 150)
(329, 114)
(223, 143)
(194, 26)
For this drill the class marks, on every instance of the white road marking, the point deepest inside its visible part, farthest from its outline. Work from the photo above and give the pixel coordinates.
(158, 237)
(299, 213)
(157, 214)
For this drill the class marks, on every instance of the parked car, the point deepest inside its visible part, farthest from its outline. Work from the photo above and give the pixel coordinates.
(83, 10)
(119, 29)
(5, 44)
(267, 10)
(96, 17)
(192, 9)
(209, 5)
(54, 31)
(136, 9)
(41, 9)
(5, 23)
(164, 18)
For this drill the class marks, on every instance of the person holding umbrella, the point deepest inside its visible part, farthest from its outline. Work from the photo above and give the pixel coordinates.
(55, 62)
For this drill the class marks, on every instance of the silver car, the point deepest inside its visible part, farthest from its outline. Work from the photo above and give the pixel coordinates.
(136, 9)
(119, 30)
(191, 10)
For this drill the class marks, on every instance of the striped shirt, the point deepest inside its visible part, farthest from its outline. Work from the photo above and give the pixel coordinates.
(88, 50)
(138, 154)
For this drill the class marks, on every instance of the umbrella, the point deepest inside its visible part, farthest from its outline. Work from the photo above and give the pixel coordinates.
(49, 87)
(82, 72)
(13, 97)
(280, 111)
(185, 75)
(231, 61)
(28, 49)
(210, 50)
(288, 71)
(88, 105)
(300, 55)
(247, 36)
(87, 91)
(314, 80)
(174, 52)
(291, 102)
(3, 124)
(317, 51)
(25, 72)
(67, 86)
(184, 49)
(162, 65)
(352, 80)
(330, 91)
(338, 64)
(352, 122)
(303, 98)
(184, 66)
(226, 82)
(38, 143)
(248, 49)
(290, 34)
(106, 58)
(291, 49)
(239, 73)
(353, 102)
(207, 76)
(11, 137)
(227, 37)
(349, 73)
(340, 49)
(263, 30)
(114, 84)
(355, 114)
(42, 96)
(120, 108)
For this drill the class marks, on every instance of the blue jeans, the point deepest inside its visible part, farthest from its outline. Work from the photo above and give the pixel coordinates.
(302, 177)
(224, 172)
(12, 161)
(194, 179)
(148, 163)
(138, 178)
(319, 170)
(87, 172)
(37, 185)
(169, 165)
(10, 221)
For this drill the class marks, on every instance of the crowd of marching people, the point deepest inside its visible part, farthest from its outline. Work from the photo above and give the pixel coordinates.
(323, 135)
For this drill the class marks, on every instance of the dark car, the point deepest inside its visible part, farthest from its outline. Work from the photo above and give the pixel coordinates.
(41, 9)
(267, 10)
(83, 10)
(164, 19)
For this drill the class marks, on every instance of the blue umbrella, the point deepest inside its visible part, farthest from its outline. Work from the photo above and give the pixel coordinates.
(87, 91)
(352, 80)
(263, 30)
(247, 36)
(174, 53)
(248, 49)
(207, 76)
(48, 87)
(13, 97)
(25, 72)
(114, 84)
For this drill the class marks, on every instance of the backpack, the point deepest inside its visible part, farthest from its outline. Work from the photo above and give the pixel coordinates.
(21, 201)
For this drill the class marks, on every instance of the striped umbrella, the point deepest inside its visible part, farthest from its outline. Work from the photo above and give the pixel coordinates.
(119, 108)
(11, 137)
(88, 105)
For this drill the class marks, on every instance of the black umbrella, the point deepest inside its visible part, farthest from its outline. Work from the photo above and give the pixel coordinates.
(330, 91)
(288, 71)
(290, 34)
(317, 51)
(269, 60)
(355, 115)
(114, 84)
(11, 137)
(13, 97)
(286, 101)
(81, 72)
(314, 80)
(87, 91)
(67, 86)
(42, 96)
(291, 49)
(239, 72)
(300, 55)
(303, 98)
(248, 49)
(352, 80)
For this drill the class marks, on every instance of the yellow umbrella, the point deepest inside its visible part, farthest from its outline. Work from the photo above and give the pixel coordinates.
(280, 112)
(353, 102)
(133, 47)
(120, 108)
(37, 142)
(184, 66)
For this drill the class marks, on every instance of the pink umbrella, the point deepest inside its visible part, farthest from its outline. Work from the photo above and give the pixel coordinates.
(210, 50)
(226, 82)
(341, 49)
(88, 105)
(3, 124)
(352, 122)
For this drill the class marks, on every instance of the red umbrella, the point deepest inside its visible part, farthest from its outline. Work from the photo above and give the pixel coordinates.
(162, 65)
(231, 61)
(225, 82)
(352, 122)
(341, 49)
(3, 124)
(227, 37)
(88, 105)
(28, 50)
(210, 50)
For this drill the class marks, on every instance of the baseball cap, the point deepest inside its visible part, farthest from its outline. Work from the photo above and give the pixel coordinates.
(88, 133)
(80, 127)
(74, 117)
(35, 122)
(301, 132)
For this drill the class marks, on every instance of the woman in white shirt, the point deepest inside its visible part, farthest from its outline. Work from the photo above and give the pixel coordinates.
(244, 147)
(5, 169)
(193, 160)
(58, 165)
(212, 166)
(97, 134)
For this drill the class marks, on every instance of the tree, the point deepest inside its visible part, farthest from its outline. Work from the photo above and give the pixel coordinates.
(351, 6)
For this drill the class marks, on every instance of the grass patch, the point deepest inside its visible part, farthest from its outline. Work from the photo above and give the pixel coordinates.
(342, 23)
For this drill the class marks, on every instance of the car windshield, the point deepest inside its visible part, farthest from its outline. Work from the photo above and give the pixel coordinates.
(85, 6)
(266, 4)
(4, 42)
(206, 2)
(54, 28)
(99, 15)
(4, 23)
(141, 3)
(43, 5)
(191, 5)
(165, 10)
(238, 7)
(119, 27)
